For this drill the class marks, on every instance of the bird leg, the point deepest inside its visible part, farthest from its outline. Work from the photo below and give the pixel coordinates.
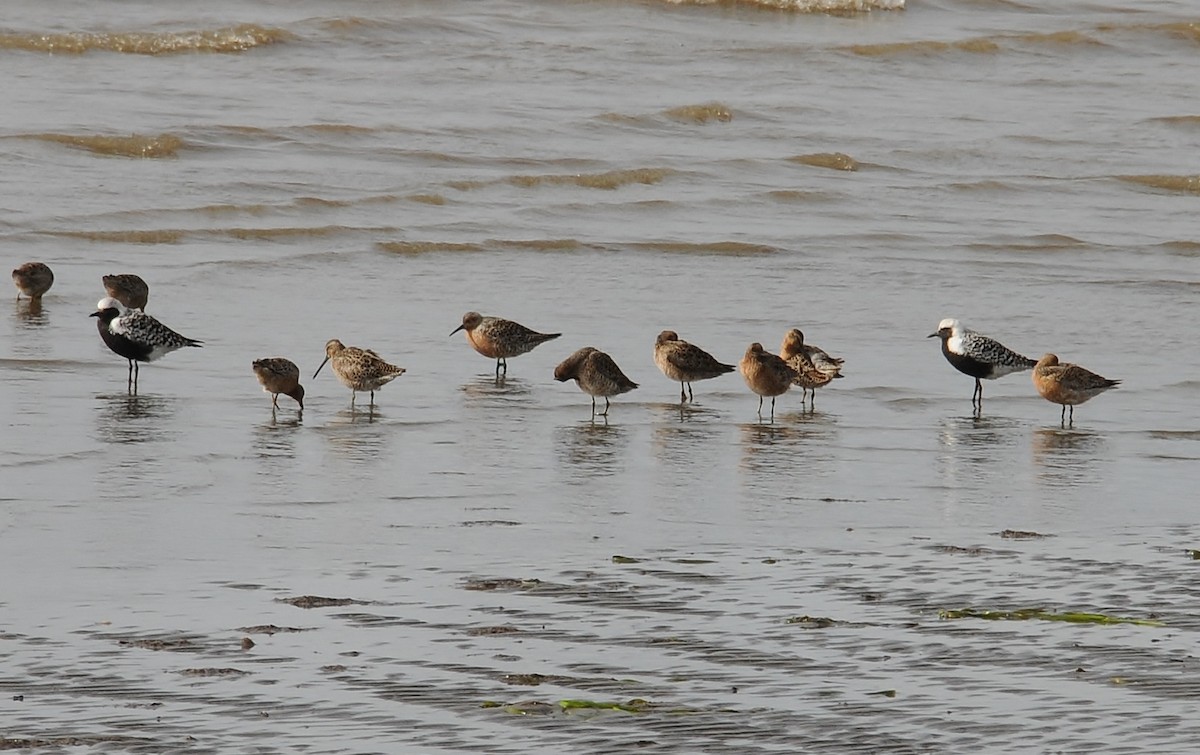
(760, 400)
(772, 408)
(682, 395)
(605, 414)
(977, 396)
(593, 407)
(691, 396)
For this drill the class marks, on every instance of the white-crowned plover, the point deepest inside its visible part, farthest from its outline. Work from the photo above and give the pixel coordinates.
(977, 355)
(136, 336)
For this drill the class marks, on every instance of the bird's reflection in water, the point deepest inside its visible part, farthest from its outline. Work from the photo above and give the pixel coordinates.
(277, 437)
(976, 451)
(491, 390)
(357, 435)
(133, 418)
(1064, 456)
(590, 449)
(786, 447)
(31, 314)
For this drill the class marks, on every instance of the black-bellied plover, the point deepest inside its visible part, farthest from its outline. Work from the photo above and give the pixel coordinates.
(814, 367)
(279, 375)
(33, 279)
(499, 339)
(136, 336)
(596, 374)
(766, 374)
(358, 369)
(685, 363)
(977, 355)
(1068, 384)
(127, 288)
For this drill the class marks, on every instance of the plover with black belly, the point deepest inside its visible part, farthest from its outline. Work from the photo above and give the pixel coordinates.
(136, 336)
(596, 374)
(977, 355)
(685, 363)
(1068, 384)
(358, 369)
(499, 339)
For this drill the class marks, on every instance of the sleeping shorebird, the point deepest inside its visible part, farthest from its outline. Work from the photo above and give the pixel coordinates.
(814, 368)
(33, 279)
(136, 336)
(278, 375)
(596, 374)
(684, 363)
(1068, 384)
(358, 369)
(766, 374)
(499, 339)
(127, 288)
(977, 355)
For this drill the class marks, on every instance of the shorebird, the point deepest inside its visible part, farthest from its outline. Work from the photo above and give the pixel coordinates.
(684, 363)
(136, 336)
(278, 375)
(33, 279)
(127, 288)
(1068, 384)
(814, 368)
(596, 374)
(499, 339)
(359, 369)
(977, 355)
(766, 374)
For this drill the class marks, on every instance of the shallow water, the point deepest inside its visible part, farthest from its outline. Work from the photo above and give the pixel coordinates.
(286, 173)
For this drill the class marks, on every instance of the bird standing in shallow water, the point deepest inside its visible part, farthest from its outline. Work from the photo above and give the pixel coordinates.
(499, 339)
(766, 374)
(684, 363)
(977, 355)
(136, 336)
(814, 368)
(278, 375)
(127, 288)
(596, 374)
(33, 279)
(358, 369)
(1068, 384)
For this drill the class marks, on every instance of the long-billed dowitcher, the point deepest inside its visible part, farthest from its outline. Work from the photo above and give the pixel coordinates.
(977, 355)
(1068, 384)
(814, 367)
(127, 288)
(766, 374)
(136, 336)
(358, 369)
(33, 279)
(499, 339)
(684, 363)
(279, 375)
(596, 374)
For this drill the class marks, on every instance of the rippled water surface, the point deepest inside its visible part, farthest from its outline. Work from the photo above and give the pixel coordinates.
(480, 566)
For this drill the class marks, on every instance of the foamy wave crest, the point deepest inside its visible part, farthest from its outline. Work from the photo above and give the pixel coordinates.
(1184, 184)
(709, 111)
(831, 160)
(834, 7)
(134, 145)
(231, 39)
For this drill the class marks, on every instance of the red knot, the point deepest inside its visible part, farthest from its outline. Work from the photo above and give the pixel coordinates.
(814, 367)
(1068, 384)
(684, 363)
(596, 374)
(279, 375)
(358, 369)
(136, 336)
(33, 279)
(127, 288)
(766, 374)
(499, 339)
(977, 355)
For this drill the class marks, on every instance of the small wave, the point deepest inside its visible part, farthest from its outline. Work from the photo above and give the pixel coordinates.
(434, 199)
(831, 160)
(134, 145)
(927, 47)
(163, 236)
(230, 39)
(1177, 120)
(831, 7)
(613, 179)
(425, 247)
(1182, 248)
(794, 195)
(1182, 184)
(725, 248)
(985, 185)
(267, 234)
(710, 111)
(1040, 243)
(541, 245)
(1067, 37)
